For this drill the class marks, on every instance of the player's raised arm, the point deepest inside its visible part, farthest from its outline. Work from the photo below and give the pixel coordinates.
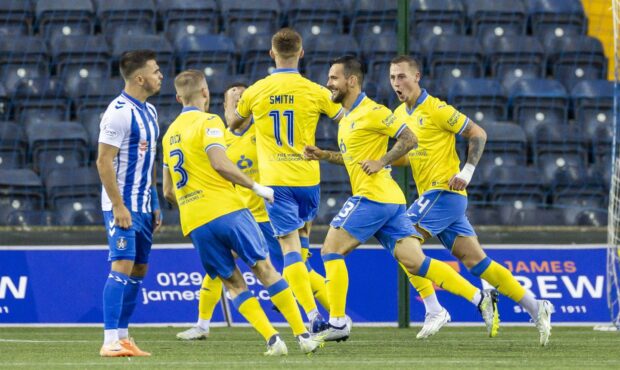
(476, 137)
(234, 119)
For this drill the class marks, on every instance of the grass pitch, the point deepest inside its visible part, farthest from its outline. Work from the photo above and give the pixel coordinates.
(453, 347)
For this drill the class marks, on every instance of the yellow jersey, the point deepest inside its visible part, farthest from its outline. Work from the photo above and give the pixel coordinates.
(202, 194)
(241, 149)
(363, 133)
(435, 123)
(286, 108)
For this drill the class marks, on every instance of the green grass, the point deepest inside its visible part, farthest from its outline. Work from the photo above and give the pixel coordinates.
(453, 347)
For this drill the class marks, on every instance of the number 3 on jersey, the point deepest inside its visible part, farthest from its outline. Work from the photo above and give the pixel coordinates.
(289, 114)
(178, 168)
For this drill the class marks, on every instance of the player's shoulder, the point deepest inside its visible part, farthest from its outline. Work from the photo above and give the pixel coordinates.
(119, 110)
(374, 108)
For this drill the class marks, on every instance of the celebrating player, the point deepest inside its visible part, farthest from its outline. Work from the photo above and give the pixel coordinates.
(377, 206)
(286, 108)
(127, 144)
(440, 209)
(199, 178)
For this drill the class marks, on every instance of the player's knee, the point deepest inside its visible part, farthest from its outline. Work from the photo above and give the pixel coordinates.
(265, 271)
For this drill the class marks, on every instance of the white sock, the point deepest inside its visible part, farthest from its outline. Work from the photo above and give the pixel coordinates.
(337, 321)
(477, 297)
(203, 324)
(123, 333)
(530, 304)
(110, 336)
(312, 314)
(431, 303)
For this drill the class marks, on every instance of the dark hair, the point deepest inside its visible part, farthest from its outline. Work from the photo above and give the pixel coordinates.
(235, 84)
(133, 60)
(286, 42)
(413, 62)
(352, 67)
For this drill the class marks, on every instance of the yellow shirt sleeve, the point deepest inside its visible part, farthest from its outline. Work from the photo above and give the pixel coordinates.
(244, 106)
(385, 122)
(327, 106)
(213, 133)
(448, 118)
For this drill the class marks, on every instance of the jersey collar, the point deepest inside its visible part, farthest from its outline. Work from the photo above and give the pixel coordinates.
(421, 99)
(189, 109)
(284, 70)
(357, 102)
(135, 101)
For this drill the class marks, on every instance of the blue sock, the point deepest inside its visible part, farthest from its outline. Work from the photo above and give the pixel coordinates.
(113, 292)
(129, 300)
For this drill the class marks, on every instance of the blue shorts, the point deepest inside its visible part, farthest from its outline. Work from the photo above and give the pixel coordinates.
(275, 251)
(293, 206)
(216, 239)
(132, 244)
(363, 218)
(442, 214)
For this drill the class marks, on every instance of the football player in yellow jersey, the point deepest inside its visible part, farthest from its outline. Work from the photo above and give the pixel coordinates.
(199, 178)
(241, 150)
(286, 108)
(440, 209)
(377, 206)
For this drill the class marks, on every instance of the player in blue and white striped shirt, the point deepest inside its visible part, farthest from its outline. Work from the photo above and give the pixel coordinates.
(127, 148)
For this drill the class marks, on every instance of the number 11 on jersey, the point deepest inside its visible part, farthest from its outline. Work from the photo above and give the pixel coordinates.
(290, 122)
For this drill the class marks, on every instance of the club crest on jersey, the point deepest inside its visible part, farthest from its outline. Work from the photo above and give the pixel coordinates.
(121, 244)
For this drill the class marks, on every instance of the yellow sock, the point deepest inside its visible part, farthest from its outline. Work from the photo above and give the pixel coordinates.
(317, 283)
(248, 307)
(296, 275)
(210, 294)
(422, 285)
(337, 283)
(305, 253)
(444, 276)
(500, 277)
(282, 298)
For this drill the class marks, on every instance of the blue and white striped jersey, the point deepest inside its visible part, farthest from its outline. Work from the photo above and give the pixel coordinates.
(132, 127)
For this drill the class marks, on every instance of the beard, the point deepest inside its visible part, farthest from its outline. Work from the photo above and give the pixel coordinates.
(151, 89)
(338, 96)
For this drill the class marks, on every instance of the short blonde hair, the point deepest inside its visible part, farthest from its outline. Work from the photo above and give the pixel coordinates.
(286, 43)
(189, 83)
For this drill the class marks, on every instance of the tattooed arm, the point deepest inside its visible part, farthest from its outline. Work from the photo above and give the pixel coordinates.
(312, 152)
(476, 137)
(404, 143)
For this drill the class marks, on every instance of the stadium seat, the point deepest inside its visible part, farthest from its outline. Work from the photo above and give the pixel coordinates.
(157, 43)
(20, 190)
(16, 18)
(582, 209)
(378, 51)
(13, 146)
(482, 215)
(40, 100)
(516, 183)
(83, 212)
(71, 184)
(32, 218)
(215, 51)
(327, 134)
(57, 145)
(452, 57)
(80, 57)
(556, 17)
(514, 58)
(480, 99)
(91, 101)
(60, 18)
(329, 207)
(373, 17)
(538, 102)
(22, 58)
(529, 214)
(576, 58)
(255, 60)
(496, 18)
(321, 50)
(431, 18)
(122, 18)
(315, 17)
(188, 17)
(593, 102)
(5, 103)
(243, 18)
(334, 179)
(506, 146)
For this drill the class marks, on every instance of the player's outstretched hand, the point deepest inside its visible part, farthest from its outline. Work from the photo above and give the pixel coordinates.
(371, 166)
(157, 220)
(122, 216)
(312, 153)
(264, 192)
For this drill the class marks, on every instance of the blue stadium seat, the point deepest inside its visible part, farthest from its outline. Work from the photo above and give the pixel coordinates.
(431, 18)
(40, 100)
(481, 215)
(508, 184)
(576, 58)
(171, 216)
(334, 179)
(529, 214)
(165, 98)
(72, 185)
(480, 99)
(13, 146)
(255, 59)
(20, 190)
(582, 209)
(60, 18)
(95, 94)
(321, 50)
(452, 57)
(496, 18)
(537, 102)
(57, 145)
(188, 17)
(315, 17)
(16, 18)
(593, 102)
(377, 52)
(157, 43)
(32, 218)
(506, 146)
(126, 17)
(329, 207)
(5, 103)
(327, 134)
(557, 17)
(83, 212)
(373, 17)
(243, 18)
(22, 58)
(80, 57)
(514, 58)
(216, 51)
